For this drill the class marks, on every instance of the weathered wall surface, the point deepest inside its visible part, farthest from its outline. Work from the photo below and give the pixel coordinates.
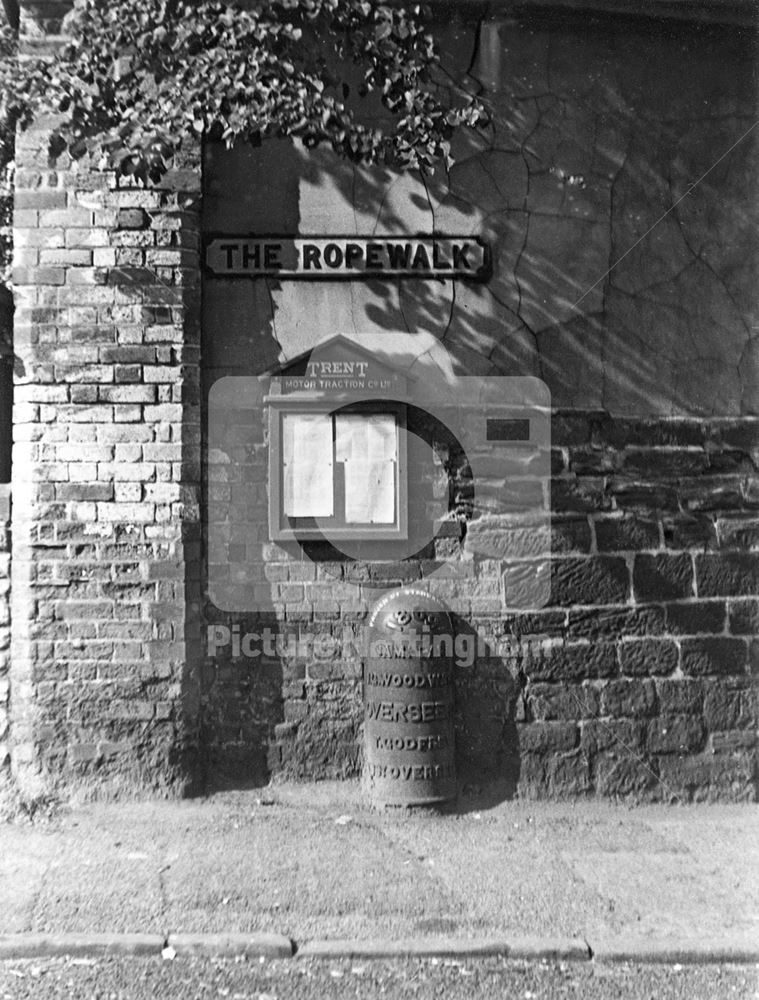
(6, 382)
(599, 127)
(638, 678)
(643, 682)
(105, 479)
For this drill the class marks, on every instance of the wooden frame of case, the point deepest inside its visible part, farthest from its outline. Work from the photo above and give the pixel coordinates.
(332, 528)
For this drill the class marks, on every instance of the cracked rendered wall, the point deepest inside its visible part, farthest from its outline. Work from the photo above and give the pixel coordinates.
(630, 313)
(616, 302)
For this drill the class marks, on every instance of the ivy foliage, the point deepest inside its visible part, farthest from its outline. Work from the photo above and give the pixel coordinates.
(8, 73)
(140, 76)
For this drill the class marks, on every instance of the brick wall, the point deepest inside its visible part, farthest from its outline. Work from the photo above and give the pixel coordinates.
(6, 382)
(105, 476)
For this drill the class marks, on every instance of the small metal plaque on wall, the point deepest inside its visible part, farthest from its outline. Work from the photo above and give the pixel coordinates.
(348, 257)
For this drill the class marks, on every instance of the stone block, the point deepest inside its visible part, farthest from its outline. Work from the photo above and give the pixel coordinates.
(653, 498)
(743, 616)
(734, 742)
(713, 655)
(612, 624)
(575, 662)
(579, 495)
(742, 434)
(538, 623)
(631, 699)
(665, 463)
(547, 737)
(712, 493)
(662, 577)
(562, 701)
(648, 657)
(680, 696)
(571, 535)
(637, 433)
(140, 711)
(592, 461)
(593, 580)
(568, 775)
(740, 532)
(729, 704)
(675, 734)
(622, 736)
(695, 617)
(708, 776)
(622, 775)
(729, 574)
(620, 534)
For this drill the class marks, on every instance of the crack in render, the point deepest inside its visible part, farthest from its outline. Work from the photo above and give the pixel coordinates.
(401, 309)
(476, 52)
(273, 312)
(353, 197)
(385, 194)
(538, 355)
(502, 303)
(428, 197)
(451, 311)
(608, 284)
(654, 284)
(699, 255)
(518, 261)
(533, 333)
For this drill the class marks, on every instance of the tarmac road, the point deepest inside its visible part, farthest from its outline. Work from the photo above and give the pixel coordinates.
(188, 978)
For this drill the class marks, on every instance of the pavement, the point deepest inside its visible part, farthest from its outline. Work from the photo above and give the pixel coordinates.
(312, 870)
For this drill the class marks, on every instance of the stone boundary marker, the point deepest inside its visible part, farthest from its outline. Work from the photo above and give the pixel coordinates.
(266, 945)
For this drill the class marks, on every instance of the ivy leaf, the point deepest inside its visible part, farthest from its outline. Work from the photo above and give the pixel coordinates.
(138, 69)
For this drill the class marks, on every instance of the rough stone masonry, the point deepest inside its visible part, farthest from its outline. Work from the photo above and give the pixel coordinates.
(646, 684)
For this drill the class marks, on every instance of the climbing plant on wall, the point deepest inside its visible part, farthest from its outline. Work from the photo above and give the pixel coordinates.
(139, 77)
(8, 69)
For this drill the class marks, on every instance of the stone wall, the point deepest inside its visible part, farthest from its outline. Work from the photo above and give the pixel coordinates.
(654, 692)
(637, 679)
